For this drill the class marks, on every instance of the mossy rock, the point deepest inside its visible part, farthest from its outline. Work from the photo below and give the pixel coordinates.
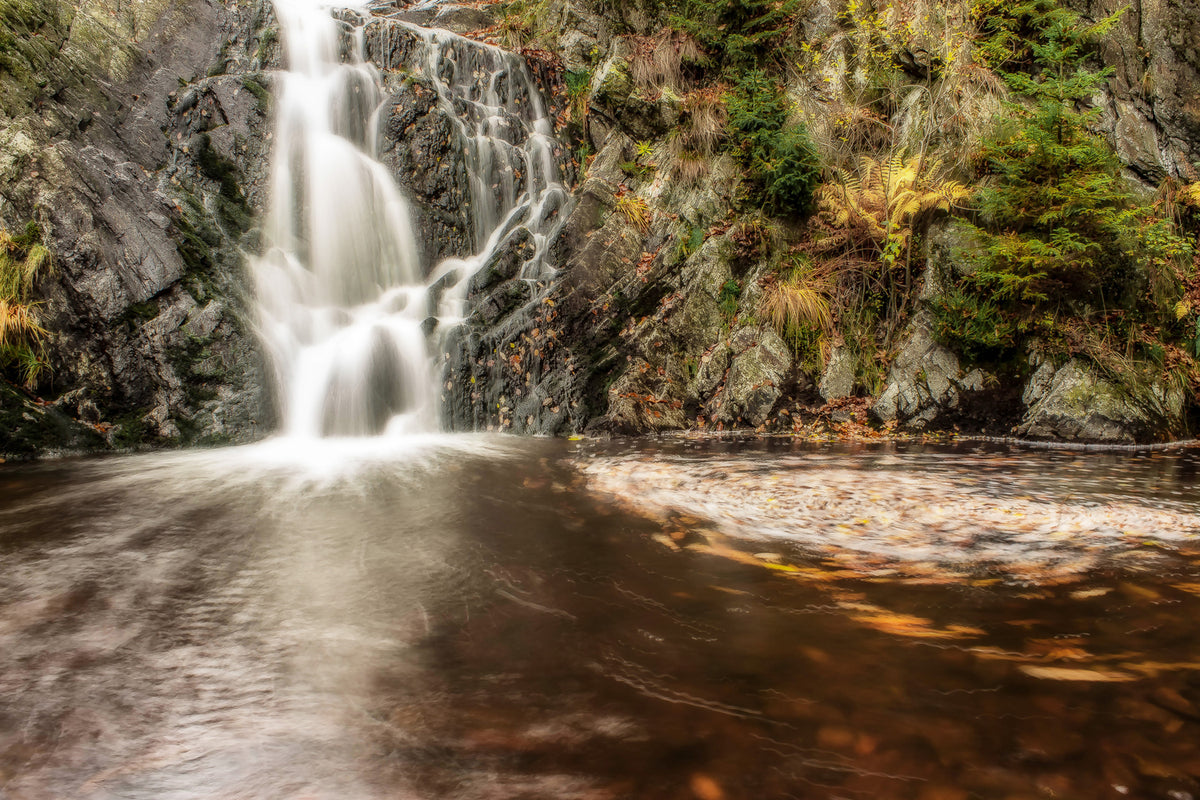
(28, 430)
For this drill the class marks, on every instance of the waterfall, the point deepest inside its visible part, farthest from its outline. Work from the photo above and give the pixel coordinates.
(346, 309)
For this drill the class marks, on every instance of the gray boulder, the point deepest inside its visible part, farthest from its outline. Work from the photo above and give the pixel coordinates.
(925, 381)
(1072, 403)
(759, 365)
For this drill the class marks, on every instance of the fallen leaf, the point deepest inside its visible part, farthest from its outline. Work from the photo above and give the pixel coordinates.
(1072, 674)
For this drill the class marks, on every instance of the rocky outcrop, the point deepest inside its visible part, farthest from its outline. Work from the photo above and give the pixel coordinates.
(32, 429)
(1153, 105)
(1072, 403)
(838, 378)
(925, 384)
(633, 335)
(140, 159)
(136, 137)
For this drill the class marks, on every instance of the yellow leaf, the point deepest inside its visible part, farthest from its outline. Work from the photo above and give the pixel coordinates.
(1073, 674)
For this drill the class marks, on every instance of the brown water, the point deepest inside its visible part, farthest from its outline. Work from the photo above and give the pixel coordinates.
(499, 618)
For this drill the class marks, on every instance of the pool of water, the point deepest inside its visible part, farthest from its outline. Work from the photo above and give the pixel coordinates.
(478, 617)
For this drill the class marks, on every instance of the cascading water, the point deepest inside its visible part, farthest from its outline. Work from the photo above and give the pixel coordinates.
(346, 308)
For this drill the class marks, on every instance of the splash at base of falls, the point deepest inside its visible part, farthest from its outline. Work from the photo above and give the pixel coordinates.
(347, 309)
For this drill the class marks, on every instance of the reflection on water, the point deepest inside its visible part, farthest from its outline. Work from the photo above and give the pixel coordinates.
(496, 618)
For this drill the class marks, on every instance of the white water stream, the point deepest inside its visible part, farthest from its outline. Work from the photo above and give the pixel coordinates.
(345, 306)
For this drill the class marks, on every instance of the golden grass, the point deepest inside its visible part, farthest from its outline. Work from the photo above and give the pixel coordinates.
(635, 210)
(657, 61)
(20, 266)
(707, 117)
(690, 167)
(795, 303)
(21, 333)
(18, 323)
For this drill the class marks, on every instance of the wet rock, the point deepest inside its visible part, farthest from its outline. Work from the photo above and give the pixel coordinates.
(451, 17)
(644, 399)
(505, 299)
(1072, 403)
(144, 186)
(505, 262)
(713, 366)
(423, 149)
(29, 430)
(390, 46)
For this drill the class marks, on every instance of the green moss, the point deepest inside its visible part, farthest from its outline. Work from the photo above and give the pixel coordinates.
(266, 44)
(130, 430)
(731, 291)
(31, 35)
(221, 64)
(203, 233)
(138, 314)
(261, 96)
(216, 167)
(229, 206)
(27, 431)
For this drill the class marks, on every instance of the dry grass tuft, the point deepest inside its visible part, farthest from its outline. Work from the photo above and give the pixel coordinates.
(635, 210)
(794, 303)
(757, 235)
(707, 117)
(657, 61)
(18, 323)
(689, 167)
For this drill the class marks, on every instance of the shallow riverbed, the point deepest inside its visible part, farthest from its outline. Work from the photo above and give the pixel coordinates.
(472, 617)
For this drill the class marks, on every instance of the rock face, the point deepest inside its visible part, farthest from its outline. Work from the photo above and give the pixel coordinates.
(140, 158)
(1072, 403)
(1154, 99)
(925, 382)
(641, 332)
(633, 335)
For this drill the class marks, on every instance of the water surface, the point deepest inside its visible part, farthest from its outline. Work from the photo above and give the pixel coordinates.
(468, 617)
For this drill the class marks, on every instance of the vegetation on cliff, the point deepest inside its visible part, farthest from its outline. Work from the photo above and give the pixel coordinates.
(859, 131)
(23, 259)
(1070, 256)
